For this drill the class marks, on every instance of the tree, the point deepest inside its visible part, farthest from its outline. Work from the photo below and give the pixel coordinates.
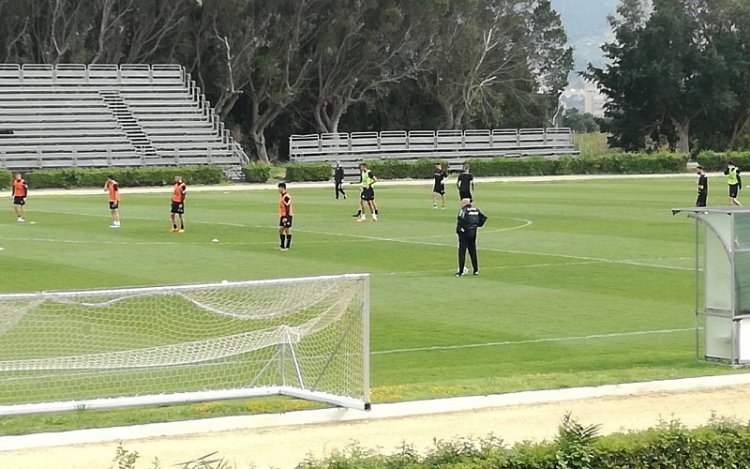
(580, 122)
(494, 53)
(677, 74)
(365, 45)
(229, 35)
(280, 69)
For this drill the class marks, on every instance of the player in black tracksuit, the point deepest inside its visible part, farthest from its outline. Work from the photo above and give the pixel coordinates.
(338, 179)
(469, 219)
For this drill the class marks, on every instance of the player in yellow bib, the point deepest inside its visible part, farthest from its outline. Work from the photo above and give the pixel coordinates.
(367, 194)
(734, 181)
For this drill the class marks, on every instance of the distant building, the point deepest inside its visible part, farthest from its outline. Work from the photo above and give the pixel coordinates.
(593, 100)
(587, 99)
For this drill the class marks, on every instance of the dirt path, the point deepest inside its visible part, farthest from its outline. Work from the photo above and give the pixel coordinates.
(284, 447)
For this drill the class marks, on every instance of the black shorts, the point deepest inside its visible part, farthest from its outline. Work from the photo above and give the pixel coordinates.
(114, 205)
(701, 200)
(178, 208)
(733, 190)
(285, 222)
(19, 200)
(439, 189)
(368, 193)
(464, 195)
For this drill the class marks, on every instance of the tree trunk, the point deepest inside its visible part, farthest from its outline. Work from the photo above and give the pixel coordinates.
(320, 119)
(338, 111)
(259, 139)
(683, 135)
(447, 115)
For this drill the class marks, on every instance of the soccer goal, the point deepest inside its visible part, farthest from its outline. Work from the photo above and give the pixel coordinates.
(302, 337)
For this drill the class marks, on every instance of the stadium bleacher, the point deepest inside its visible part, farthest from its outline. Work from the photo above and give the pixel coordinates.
(108, 115)
(455, 146)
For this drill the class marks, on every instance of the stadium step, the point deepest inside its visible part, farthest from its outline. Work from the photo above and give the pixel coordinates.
(128, 123)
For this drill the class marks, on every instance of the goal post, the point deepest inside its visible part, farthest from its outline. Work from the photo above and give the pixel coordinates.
(302, 337)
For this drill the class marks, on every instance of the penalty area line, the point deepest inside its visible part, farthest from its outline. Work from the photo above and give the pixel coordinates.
(531, 341)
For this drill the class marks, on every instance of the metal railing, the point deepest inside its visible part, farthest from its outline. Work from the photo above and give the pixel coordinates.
(516, 142)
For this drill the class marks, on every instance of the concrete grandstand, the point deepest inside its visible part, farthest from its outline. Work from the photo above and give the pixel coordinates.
(73, 115)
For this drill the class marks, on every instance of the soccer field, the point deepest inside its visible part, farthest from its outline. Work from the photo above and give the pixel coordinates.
(581, 282)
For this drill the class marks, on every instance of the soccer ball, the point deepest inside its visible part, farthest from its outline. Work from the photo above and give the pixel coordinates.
(466, 270)
(214, 240)
(225, 281)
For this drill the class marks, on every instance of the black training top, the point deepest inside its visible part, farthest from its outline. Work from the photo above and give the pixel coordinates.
(464, 182)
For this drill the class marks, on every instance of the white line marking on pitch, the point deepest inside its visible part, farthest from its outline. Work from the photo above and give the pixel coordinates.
(408, 241)
(564, 256)
(530, 341)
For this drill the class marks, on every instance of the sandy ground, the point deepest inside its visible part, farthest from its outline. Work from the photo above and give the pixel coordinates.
(287, 445)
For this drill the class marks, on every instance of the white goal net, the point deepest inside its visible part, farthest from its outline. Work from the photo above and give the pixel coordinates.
(305, 337)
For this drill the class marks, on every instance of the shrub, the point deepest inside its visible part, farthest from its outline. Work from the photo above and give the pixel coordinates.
(308, 172)
(713, 161)
(257, 172)
(390, 169)
(5, 178)
(397, 169)
(69, 178)
(576, 446)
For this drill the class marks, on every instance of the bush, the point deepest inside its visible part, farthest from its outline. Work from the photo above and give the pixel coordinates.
(720, 444)
(5, 178)
(257, 172)
(69, 178)
(621, 163)
(308, 172)
(396, 169)
(713, 161)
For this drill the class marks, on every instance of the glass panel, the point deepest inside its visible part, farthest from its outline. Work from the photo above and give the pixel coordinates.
(717, 274)
(718, 337)
(742, 230)
(742, 275)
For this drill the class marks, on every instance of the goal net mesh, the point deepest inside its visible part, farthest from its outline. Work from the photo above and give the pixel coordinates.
(263, 337)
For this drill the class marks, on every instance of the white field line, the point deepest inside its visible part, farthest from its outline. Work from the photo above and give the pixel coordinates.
(385, 183)
(510, 251)
(525, 224)
(531, 341)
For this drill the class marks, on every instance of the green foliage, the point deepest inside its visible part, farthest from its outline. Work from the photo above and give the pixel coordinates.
(257, 172)
(580, 122)
(577, 446)
(5, 178)
(125, 459)
(396, 169)
(620, 163)
(592, 144)
(713, 161)
(693, 92)
(308, 172)
(69, 178)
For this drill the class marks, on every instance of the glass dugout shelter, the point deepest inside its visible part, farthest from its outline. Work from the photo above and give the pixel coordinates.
(722, 285)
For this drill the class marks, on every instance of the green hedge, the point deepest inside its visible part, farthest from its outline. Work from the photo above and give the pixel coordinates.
(308, 172)
(257, 172)
(718, 445)
(395, 169)
(713, 161)
(127, 177)
(5, 178)
(622, 163)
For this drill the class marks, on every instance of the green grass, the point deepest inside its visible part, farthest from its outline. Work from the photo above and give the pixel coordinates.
(593, 144)
(581, 283)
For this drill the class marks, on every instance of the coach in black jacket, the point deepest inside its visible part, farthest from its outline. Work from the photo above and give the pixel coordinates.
(338, 179)
(469, 218)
